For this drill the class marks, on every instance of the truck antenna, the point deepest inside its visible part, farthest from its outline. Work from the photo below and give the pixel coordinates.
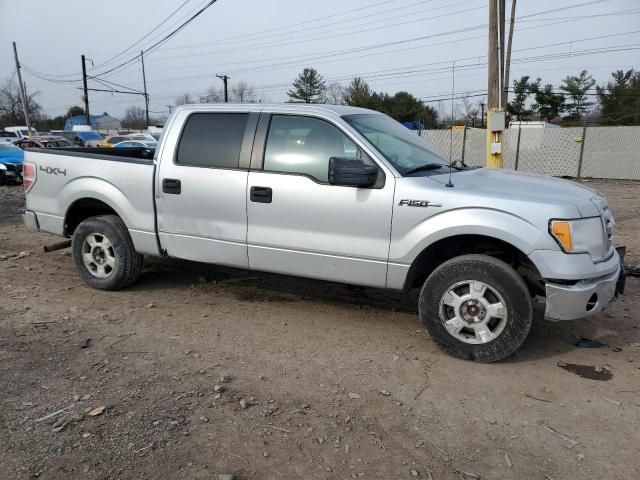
(453, 90)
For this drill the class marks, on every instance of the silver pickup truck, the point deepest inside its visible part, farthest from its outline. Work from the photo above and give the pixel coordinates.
(340, 194)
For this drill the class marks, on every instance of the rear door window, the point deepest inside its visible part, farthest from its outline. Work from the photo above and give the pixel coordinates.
(212, 140)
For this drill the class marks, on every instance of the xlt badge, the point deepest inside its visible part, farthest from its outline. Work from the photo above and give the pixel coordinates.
(419, 203)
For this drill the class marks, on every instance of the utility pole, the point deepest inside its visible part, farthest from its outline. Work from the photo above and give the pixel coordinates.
(507, 65)
(23, 93)
(482, 115)
(495, 114)
(86, 92)
(144, 82)
(225, 79)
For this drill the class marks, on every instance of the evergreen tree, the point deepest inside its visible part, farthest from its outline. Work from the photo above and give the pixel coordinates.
(577, 88)
(620, 99)
(309, 87)
(548, 105)
(358, 94)
(522, 89)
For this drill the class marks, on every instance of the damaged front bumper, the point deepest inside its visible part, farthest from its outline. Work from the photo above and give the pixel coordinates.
(585, 297)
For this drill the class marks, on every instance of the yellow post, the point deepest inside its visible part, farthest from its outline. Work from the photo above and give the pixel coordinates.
(494, 160)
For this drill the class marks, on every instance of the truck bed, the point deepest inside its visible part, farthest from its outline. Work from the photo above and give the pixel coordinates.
(120, 178)
(135, 155)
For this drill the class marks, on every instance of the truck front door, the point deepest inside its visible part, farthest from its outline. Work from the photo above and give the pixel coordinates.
(300, 224)
(201, 187)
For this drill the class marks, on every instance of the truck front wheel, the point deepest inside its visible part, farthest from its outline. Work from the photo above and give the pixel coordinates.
(104, 253)
(476, 307)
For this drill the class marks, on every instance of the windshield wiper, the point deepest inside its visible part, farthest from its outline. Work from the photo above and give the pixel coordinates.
(425, 168)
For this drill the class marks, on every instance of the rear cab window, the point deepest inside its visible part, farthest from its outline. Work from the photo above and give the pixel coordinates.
(212, 140)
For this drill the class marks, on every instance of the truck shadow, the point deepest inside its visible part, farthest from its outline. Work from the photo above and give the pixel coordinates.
(547, 339)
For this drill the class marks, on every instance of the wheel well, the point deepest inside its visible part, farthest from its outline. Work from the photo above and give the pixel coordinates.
(447, 248)
(81, 210)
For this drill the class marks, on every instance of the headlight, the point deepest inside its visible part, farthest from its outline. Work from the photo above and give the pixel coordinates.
(585, 235)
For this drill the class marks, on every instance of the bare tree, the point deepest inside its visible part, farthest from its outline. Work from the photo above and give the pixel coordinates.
(243, 93)
(11, 112)
(335, 93)
(185, 99)
(212, 95)
(135, 118)
(470, 109)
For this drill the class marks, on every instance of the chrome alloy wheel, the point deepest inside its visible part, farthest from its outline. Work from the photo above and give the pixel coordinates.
(473, 312)
(98, 255)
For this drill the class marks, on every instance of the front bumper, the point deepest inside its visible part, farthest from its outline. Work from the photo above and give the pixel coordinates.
(585, 297)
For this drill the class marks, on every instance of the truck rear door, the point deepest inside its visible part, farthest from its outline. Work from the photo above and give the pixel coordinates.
(201, 187)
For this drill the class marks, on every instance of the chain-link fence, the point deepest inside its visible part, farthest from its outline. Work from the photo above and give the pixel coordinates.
(597, 152)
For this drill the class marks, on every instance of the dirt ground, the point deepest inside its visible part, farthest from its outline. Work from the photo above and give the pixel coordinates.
(199, 371)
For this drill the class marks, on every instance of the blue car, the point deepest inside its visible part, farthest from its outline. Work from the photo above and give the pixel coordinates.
(11, 158)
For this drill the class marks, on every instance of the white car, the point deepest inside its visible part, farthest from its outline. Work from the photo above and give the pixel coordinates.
(21, 132)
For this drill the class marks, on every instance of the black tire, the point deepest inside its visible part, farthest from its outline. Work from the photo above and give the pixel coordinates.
(501, 279)
(127, 263)
(3, 179)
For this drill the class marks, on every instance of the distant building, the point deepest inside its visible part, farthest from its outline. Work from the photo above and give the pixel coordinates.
(98, 122)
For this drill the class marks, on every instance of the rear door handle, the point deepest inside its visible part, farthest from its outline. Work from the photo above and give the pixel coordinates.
(261, 194)
(171, 186)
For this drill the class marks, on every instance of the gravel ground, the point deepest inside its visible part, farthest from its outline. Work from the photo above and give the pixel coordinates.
(199, 371)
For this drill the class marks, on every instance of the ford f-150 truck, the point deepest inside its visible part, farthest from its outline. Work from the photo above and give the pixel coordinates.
(341, 194)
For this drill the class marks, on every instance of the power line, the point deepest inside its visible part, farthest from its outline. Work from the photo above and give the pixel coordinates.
(106, 62)
(288, 43)
(332, 56)
(164, 39)
(395, 71)
(280, 28)
(332, 25)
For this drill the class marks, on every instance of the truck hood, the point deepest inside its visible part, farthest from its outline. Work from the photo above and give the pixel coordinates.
(513, 185)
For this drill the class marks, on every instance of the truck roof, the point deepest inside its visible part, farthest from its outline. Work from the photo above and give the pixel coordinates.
(339, 110)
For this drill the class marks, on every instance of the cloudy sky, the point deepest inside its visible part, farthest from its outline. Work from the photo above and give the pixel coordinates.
(393, 44)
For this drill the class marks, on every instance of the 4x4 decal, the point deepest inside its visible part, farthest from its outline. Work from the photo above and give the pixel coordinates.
(53, 171)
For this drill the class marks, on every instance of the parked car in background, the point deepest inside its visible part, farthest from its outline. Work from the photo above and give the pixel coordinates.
(11, 158)
(144, 137)
(8, 137)
(21, 131)
(44, 141)
(83, 139)
(108, 142)
(137, 144)
(155, 131)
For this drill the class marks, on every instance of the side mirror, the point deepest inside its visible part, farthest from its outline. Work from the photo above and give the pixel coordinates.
(351, 172)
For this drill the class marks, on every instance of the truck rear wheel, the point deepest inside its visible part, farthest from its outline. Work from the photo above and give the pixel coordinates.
(104, 253)
(476, 307)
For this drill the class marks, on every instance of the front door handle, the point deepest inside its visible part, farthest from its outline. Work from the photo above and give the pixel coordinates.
(261, 194)
(171, 186)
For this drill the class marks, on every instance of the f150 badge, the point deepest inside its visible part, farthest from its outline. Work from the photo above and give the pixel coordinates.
(419, 203)
(53, 171)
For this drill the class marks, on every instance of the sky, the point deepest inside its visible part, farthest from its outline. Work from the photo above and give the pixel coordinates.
(393, 44)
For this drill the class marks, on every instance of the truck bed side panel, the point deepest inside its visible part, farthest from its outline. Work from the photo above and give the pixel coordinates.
(125, 186)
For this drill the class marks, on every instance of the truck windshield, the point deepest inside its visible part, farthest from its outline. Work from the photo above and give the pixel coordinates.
(399, 145)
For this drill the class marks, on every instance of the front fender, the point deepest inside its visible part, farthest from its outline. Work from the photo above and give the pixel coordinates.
(408, 241)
